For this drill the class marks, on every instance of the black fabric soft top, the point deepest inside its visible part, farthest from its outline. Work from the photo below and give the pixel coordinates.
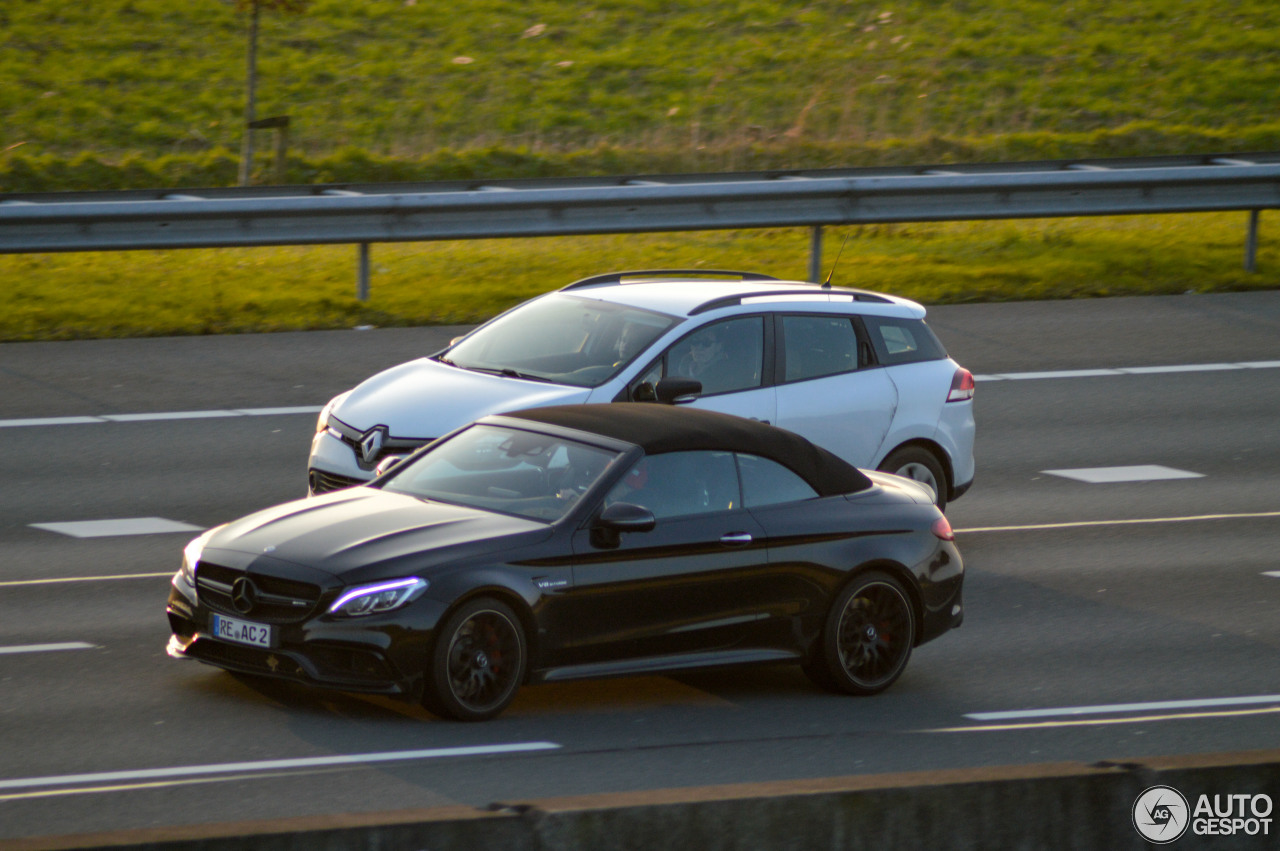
(666, 428)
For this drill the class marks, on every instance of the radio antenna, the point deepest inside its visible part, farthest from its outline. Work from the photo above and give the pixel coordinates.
(826, 285)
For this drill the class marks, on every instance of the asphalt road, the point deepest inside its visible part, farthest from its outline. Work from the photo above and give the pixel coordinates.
(1165, 630)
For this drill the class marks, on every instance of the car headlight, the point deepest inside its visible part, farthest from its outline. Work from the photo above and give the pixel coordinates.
(322, 422)
(377, 598)
(191, 557)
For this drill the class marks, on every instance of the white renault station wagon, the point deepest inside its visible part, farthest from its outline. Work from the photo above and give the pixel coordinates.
(857, 372)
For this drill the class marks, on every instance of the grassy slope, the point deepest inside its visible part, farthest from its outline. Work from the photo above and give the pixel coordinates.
(235, 290)
(408, 76)
(152, 77)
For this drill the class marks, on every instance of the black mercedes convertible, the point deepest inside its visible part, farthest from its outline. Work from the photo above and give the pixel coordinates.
(578, 541)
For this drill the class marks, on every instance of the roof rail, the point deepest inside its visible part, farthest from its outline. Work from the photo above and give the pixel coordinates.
(616, 277)
(730, 301)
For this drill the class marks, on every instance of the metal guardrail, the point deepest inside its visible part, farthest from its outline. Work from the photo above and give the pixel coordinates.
(363, 214)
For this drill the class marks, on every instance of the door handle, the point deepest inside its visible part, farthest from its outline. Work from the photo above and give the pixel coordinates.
(736, 538)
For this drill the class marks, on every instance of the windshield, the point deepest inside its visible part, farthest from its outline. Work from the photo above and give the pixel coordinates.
(561, 338)
(508, 470)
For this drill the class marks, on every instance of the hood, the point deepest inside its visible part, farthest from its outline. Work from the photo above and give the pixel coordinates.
(913, 490)
(426, 399)
(364, 529)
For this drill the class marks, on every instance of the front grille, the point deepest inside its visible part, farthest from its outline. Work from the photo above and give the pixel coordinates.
(353, 438)
(322, 482)
(244, 658)
(276, 600)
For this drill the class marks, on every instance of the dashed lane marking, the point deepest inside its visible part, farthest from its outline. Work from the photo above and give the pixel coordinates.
(122, 526)
(45, 648)
(1132, 473)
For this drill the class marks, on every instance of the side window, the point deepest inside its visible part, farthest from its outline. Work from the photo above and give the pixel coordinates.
(724, 356)
(766, 482)
(903, 340)
(680, 484)
(818, 345)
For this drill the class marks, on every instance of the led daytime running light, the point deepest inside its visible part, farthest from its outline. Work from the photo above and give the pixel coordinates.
(409, 586)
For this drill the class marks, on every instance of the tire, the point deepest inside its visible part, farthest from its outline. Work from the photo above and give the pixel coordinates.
(921, 465)
(478, 662)
(867, 638)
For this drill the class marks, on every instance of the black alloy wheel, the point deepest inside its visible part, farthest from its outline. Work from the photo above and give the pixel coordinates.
(921, 465)
(867, 639)
(478, 662)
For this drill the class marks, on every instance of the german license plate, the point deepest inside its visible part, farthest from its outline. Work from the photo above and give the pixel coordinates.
(241, 632)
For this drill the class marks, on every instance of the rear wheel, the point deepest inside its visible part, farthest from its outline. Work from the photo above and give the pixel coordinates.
(921, 465)
(867, 639)
(478, 662)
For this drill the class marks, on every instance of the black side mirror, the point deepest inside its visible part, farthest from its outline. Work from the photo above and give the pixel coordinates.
(677, 391)
(620, 517)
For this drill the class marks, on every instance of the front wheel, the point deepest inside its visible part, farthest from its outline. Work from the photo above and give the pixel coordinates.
(478, 662)
(921, 465)
(867, 639)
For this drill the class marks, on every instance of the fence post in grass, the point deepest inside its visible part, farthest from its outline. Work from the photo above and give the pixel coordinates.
(1251, 243)
(362, 273)
(815, 254)
(280, 124)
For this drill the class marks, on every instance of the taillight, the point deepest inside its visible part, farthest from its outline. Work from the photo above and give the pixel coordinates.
(962, 386)
(942, 529)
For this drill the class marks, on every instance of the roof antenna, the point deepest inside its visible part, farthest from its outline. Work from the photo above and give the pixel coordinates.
(826, 285)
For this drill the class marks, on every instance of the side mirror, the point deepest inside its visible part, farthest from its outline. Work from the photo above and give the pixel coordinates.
(677, 391)
(386, 464)
(620, 517)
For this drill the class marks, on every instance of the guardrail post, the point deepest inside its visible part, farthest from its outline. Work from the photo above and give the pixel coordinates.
(815, 254)
(362, 273)
(1251, 243)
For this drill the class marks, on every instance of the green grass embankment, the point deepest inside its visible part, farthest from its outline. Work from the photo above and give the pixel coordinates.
(154, 293)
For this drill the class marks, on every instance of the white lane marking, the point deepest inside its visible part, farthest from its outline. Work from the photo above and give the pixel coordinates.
(171, 415)
(275, 764)
(1132, 473)
(159, 784)
(1096, 722)
(50, 421)
(1077, 524)
(1108, 708)
(159, 416)
(315, 409)
(17, 582)
(1275, 573)
(45, 648)
(123, 526)
(1128, 370)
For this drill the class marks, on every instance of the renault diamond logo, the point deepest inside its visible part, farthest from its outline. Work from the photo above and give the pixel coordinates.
(371, 443)
(244, 595)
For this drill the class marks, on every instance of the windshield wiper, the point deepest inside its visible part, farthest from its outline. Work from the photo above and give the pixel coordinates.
(508, 372)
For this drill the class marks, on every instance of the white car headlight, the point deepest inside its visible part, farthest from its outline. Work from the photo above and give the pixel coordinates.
(377, 598)
(322, 422)
(191, 553)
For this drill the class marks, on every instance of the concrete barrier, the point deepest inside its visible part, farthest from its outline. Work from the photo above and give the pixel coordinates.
(1059, 806)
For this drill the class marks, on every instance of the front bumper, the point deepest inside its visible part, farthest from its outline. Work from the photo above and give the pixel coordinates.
(332, 465)
(381, 654)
